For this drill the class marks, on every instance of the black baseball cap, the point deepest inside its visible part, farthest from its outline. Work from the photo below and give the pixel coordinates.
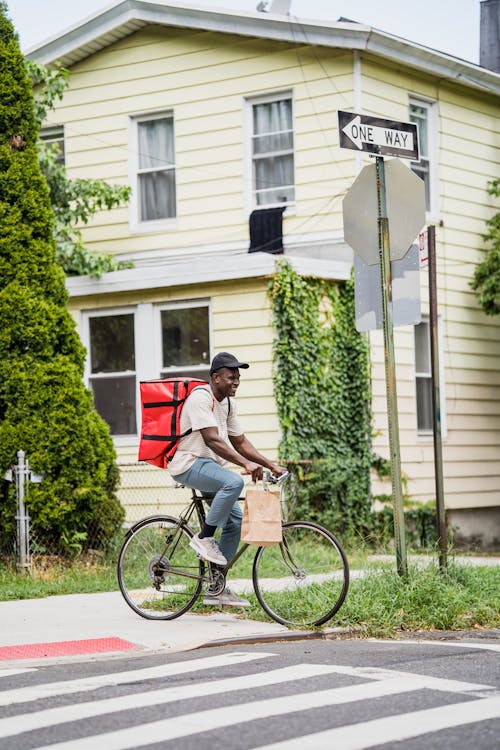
(224, 359)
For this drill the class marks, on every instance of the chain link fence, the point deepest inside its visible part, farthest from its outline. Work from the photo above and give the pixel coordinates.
(143, 491)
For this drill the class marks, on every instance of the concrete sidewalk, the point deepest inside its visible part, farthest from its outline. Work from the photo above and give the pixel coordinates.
(103, 623)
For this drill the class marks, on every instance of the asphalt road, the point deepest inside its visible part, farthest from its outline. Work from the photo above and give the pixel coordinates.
(285, 696)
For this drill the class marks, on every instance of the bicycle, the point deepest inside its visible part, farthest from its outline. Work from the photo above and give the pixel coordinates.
(161, 577)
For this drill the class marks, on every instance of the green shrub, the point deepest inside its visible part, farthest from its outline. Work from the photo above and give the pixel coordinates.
(45, 409)
(420, 525)
(326, 491)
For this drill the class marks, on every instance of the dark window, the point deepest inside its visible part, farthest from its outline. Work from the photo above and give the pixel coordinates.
(112, 368)
(185, 342)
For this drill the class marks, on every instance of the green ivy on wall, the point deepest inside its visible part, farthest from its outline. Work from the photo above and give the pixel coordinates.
(322, 389)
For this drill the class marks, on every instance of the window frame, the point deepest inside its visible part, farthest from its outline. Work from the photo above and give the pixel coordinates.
(431, 108)
(426, 433)
(152, 225)
(248, 134)
(148, 348)
(51, 134)
(180, 304)
(86, 315)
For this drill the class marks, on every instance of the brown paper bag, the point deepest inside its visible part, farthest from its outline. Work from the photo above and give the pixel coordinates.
(261, 518)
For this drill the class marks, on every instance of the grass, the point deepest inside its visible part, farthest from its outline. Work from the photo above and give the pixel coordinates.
(56, 578)
(379, 602)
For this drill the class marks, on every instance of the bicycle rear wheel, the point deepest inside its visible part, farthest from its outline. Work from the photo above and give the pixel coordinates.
(159, 574)
(304, 580)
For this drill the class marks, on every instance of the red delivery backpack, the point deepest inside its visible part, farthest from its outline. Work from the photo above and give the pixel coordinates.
(161, 406)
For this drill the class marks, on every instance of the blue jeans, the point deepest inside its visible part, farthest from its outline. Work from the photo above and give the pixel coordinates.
(226, 486)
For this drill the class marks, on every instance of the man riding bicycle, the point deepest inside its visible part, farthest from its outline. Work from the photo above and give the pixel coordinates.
(216, 438)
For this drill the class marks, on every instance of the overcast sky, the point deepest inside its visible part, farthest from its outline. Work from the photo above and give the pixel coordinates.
(451, 26)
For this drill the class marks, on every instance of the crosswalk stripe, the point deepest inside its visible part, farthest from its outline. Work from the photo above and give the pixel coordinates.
(11, 672)
(452, 644)
(216, 718)
(394, 728)
(50, 717)
(433, 683)
(49, 690)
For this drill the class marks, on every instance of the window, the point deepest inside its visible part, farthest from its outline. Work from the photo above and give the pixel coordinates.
(112, 370)
(154, 169)
(272, 151)
(423, 378)
(54, 136)
(185, 341)
(423, 115)
(125, 346)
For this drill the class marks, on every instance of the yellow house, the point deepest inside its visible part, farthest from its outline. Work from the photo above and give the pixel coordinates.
(218, 119)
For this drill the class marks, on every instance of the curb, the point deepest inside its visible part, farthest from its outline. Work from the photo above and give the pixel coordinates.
(338, 634)
(473, 634)
(328, 634)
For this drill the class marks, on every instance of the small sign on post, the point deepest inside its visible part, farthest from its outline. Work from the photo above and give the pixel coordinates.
(376, 135)
(405, 277)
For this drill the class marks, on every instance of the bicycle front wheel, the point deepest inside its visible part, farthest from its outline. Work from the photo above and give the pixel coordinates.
(304, 579)
(159, 574)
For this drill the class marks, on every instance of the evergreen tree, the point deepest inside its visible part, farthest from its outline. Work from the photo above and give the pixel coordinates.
(45, 409)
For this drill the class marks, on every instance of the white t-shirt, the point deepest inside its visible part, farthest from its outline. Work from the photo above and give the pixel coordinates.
(203, 410)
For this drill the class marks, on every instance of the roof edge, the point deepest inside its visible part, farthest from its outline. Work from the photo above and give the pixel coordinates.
(178, 274)
(123, 18)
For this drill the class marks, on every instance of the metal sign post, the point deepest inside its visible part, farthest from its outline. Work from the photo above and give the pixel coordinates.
(390, 370)
(436, 400)
(390, 198)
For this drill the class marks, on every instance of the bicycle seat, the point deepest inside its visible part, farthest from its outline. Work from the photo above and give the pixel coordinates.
(208, 495)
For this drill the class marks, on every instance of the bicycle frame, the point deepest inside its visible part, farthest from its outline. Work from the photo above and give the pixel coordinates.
(196, 505)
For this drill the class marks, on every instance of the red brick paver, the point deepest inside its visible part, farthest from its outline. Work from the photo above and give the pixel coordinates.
(64, 648)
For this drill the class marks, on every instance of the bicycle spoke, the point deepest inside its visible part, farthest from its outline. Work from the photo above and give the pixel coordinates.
(303, 580)
(159, 574)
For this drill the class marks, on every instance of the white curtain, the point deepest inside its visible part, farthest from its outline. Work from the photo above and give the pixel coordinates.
(157, 169)
(273, 135)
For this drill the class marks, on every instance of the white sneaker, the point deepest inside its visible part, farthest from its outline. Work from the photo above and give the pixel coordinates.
(208, 549)
(226, 599)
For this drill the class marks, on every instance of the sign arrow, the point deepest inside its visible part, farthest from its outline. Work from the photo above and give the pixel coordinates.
(378, 136)
(360, 134)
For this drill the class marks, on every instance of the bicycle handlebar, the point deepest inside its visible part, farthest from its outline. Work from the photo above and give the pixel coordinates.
(273, 479)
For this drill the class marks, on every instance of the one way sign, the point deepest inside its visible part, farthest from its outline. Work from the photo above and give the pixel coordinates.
(378, 136)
